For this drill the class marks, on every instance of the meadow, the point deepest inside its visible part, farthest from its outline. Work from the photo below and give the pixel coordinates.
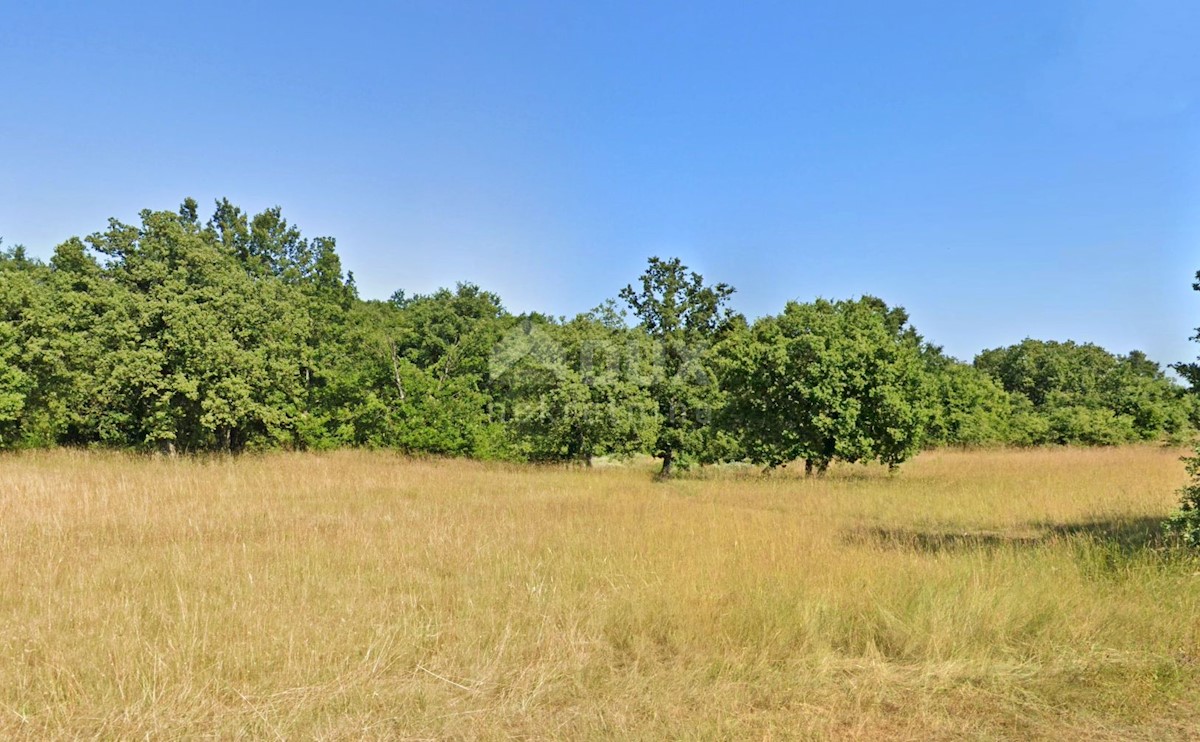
(992, 594)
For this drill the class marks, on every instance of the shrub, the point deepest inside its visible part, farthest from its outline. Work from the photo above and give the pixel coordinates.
(1185, 522)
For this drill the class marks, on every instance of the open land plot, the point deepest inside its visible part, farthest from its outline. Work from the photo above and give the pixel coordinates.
(1011, 594)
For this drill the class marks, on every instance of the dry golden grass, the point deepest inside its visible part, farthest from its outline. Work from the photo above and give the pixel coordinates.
(976, 595)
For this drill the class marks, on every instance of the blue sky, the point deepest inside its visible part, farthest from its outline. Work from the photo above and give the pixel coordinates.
(1002, 170)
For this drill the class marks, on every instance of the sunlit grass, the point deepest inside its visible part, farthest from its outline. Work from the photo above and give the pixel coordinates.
(989, 594)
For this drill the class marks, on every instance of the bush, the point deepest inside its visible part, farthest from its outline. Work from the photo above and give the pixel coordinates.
(1185, 522)
(1091, 427)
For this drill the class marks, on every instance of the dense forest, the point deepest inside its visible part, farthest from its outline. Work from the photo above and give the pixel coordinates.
(238, 333)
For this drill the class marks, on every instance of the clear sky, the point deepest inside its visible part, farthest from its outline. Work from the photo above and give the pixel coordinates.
(1001, 169)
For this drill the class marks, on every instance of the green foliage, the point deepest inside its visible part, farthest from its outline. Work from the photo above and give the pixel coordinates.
(235, 333)
(47, 366)
(414, 373)
(684, 317)
(201, 353)
(578, 389)
(1038, 369)
(968, 407)
(18, 290)
(1028, 426)
(1185, 522)
(1086, 395)
(164, 335)
(827, 380)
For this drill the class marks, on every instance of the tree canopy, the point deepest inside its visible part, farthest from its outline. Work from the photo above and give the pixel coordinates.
(684, 317)
(179, 334)
(828, 380)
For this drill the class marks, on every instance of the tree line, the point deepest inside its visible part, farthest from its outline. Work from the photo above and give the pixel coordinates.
(238, 333)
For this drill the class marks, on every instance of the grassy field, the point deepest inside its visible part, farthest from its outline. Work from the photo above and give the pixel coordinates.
(1010, 594)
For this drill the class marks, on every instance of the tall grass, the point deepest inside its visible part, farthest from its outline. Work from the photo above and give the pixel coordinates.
(1008, 594)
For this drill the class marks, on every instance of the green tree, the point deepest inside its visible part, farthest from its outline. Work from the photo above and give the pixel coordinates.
(20, 292)
(828, 380)
(1039, 369)
(415, 375)
(196, 352)
(578, 389)
(968, 407)
(685, 317)
(1086, 395)
(310, 273)
(65, 347)
(1156, 406)
(1185, 522)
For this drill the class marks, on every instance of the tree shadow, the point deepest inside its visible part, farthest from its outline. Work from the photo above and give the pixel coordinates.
(1128, 535)
(937, 542)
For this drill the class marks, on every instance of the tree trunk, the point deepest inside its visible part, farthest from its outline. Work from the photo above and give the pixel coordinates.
(808, 467)
(668, 465)
(830, 450)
